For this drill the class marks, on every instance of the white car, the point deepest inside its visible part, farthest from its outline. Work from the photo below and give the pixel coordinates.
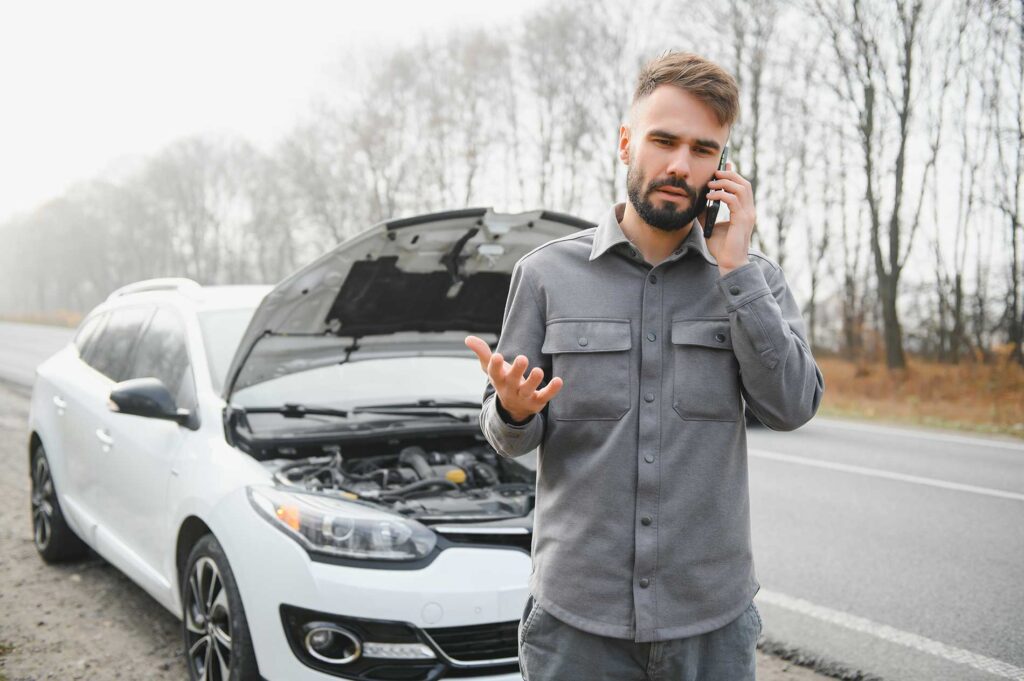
(298, 473)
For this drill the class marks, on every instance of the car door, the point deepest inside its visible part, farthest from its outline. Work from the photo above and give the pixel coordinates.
(139, 465)
(88, 440)
(58, 380)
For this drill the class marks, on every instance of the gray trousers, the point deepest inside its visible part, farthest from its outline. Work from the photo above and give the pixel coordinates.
(551, 650)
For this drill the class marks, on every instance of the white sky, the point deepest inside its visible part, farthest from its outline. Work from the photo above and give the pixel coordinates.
(85, 85)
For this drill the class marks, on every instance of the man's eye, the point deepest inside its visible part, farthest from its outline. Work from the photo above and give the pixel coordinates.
(662, 142)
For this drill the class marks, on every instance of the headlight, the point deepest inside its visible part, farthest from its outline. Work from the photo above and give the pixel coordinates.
(340, 528)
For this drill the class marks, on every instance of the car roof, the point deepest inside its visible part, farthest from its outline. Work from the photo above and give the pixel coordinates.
(194, 296)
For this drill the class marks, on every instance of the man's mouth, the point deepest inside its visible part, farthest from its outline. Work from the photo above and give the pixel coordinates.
(672, 191)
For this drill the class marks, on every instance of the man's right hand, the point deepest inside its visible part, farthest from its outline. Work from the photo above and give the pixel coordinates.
(519, 396)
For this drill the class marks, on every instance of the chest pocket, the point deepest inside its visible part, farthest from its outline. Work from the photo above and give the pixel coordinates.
(592, 357)
(705, 373)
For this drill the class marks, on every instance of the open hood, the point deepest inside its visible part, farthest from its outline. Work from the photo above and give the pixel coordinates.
(420, 282)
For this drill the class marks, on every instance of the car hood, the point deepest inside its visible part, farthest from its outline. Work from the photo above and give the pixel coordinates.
(410, 285)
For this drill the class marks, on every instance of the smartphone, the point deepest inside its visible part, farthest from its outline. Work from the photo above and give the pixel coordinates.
(712, 213)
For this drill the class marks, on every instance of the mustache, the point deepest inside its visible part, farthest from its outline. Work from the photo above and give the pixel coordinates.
(677, 184)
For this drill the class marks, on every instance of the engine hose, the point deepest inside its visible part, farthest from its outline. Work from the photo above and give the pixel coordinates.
(417, 486)
(415, 456)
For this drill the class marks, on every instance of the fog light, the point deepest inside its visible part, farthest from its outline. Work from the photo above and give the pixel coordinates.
(331, 644)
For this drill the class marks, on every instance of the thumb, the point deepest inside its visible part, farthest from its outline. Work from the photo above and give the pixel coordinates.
(482, 350)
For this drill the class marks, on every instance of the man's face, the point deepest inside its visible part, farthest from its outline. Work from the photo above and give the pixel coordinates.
(672, 148)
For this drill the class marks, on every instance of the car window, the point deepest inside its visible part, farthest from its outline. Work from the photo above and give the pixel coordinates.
(88, 349)
(113, 347)
(162, 353)
(86, 331)
(222, 332)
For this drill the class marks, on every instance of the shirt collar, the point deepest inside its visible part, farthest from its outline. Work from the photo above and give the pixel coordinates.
(609, 233)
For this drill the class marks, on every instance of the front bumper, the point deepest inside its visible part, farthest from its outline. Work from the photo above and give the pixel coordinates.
(474, 589)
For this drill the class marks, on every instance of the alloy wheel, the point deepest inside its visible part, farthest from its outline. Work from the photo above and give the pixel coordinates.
(208, 622)
(42, 504)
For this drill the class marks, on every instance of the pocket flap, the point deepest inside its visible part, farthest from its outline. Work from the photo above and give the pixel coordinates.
(711, 333)
(586, 335)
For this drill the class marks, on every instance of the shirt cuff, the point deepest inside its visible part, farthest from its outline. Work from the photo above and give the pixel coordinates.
(742, 285)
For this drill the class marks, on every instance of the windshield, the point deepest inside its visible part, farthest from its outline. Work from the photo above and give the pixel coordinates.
(373, 381)
(222, 332)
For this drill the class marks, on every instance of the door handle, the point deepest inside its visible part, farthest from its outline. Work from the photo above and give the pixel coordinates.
(59, 402)
(104, 437)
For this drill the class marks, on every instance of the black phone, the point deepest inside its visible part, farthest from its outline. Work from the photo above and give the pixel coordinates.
(712, 212)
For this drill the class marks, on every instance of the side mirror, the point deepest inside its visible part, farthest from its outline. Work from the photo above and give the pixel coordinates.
(147, 397)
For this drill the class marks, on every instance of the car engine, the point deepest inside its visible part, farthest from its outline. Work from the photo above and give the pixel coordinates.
(473, 483)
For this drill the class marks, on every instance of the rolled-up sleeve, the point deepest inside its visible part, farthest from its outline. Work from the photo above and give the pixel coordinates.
(781, 382)
(522, 333)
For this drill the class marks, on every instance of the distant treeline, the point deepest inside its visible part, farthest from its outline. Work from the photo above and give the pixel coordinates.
(884, 139)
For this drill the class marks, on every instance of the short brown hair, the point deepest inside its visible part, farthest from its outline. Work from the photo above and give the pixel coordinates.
(704, 79)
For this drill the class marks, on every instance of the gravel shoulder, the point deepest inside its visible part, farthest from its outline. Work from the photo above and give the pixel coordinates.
(88, 621)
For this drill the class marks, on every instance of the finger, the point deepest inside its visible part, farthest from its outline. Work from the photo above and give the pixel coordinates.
(496, 370)
(531, 382)
(517, 369)
(482, 350)
(727, 185)
(550, 390)
(512, 374)
(728, 199)
(731, 175)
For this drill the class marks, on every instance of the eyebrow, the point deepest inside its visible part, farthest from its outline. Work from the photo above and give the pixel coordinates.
(674, 137)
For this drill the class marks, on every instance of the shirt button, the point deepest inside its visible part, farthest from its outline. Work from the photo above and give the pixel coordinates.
(651, 336)
(735, 290)
(646, 520)
(649, 458)
(720, 337)
(649, 397)
(644, 583)
(583, 340)
(654, 279)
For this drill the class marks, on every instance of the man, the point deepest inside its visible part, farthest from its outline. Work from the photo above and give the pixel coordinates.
(642, 565)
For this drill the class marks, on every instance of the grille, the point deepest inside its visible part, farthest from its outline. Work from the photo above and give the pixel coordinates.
(519, 541)
(478, 642)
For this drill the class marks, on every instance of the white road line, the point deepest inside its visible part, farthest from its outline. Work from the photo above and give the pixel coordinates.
(878, 473)
(893, 635)
(908, 432)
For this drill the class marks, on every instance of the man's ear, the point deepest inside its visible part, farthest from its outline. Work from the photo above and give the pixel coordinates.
(624, 143)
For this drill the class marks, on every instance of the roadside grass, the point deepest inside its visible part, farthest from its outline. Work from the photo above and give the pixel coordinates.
(986, 398)
(5, 648)
(54, 318)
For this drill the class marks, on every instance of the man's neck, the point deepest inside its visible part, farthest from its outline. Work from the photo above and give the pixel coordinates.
(655, 244)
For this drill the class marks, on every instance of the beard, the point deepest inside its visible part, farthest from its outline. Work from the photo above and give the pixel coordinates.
(670, 217)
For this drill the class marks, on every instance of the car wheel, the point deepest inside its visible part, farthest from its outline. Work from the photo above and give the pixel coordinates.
(54, 540)
(216, 634)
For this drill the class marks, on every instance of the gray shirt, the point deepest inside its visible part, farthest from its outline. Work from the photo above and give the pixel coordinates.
(642, 521)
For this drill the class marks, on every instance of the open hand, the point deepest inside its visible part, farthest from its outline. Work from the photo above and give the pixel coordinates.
(519, 396)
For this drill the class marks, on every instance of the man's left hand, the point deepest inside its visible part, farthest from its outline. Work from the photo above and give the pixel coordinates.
(730, 240)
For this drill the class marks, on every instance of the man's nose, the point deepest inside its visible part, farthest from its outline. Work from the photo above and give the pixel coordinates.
(679, 164)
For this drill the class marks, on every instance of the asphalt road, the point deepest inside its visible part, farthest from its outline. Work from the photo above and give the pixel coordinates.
(887, 552)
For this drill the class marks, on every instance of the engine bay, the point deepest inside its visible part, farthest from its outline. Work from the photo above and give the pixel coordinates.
(432, 482)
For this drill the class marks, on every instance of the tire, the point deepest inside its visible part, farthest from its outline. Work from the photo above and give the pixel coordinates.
(54, 540)
(213, 625)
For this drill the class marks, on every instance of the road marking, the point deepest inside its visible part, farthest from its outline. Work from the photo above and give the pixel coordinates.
(892, 635)
(922, 434)
(878, 473)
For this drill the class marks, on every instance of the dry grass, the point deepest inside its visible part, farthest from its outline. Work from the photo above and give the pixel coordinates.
(968, 396)
(55, 318)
